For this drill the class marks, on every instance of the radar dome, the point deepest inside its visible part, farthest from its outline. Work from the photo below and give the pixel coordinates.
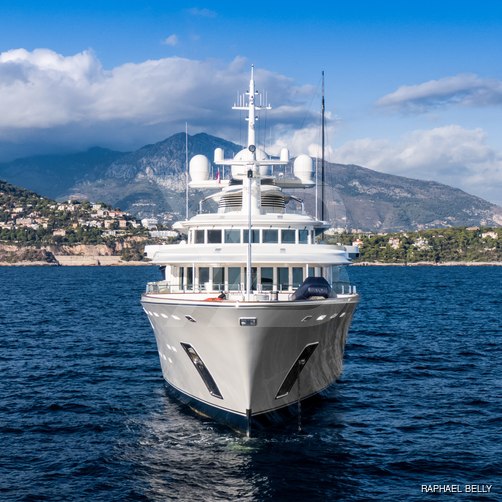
(219, 154)
(245, 154)
(302, 168)
(284, 155)
(199, 168)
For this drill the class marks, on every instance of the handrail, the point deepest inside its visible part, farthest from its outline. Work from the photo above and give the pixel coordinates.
(341, 288)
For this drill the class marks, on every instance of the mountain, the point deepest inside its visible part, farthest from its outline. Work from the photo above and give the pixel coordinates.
(54, 175)
(371, 200)
(151, 182)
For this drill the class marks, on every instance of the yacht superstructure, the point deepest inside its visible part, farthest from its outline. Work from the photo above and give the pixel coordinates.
(253, 312)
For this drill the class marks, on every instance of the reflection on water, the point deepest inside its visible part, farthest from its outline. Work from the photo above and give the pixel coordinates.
(180, 456)
(84, 414)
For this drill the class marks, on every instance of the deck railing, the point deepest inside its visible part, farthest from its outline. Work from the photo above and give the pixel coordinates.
(340, 288)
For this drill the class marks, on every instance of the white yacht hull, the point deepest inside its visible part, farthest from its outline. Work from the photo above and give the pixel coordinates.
(248, 350)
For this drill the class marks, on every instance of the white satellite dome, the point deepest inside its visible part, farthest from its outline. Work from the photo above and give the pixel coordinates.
(219, 155)
(245, 154)
(199, 168)
(302, 168)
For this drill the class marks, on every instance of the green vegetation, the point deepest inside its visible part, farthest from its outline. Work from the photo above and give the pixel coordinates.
(32, 224)
(436, 245)
(133, 253)
(26, 219)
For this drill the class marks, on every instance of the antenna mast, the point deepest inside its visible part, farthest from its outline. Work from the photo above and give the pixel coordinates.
(322, 149)
(186, 170)
(251, 108)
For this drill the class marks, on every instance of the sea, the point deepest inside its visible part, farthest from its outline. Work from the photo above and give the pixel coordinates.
(85, 416)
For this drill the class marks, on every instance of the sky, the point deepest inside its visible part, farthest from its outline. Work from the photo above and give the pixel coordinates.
(411, 88)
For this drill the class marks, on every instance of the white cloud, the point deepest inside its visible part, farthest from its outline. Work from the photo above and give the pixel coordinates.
(464, 90)
(51, 102)
(451, 154)
(171, 40)
(306, 140)
(50, 99)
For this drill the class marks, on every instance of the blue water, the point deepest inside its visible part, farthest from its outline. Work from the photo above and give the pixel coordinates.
(84, 414)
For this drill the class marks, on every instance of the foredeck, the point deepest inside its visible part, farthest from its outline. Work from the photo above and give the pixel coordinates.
(163, 289)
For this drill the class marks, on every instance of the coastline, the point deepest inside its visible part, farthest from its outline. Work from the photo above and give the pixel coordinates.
(68, 255)
(116, 261)
(430, 264)
(79, 261)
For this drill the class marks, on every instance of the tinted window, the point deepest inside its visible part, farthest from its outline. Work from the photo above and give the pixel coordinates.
(255, 235)
(181, 277)
(233, 236)
(199, 237)
(218, 278)
(288, 236)
(283, 278)
(253, 277)
(297, 276)
(295, 371)
(203, 371)
(271, 236)
(214, 236)
(203, 276)
(234, 278)
(267, 278)
(189, 277)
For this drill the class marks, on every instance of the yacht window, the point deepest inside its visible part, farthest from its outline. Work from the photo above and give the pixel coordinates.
(189, 275)
(181, 277)
(253, 277)
(283, 278)
(214, 236)
(288, 236)
(303, 236)
(270, 236)
(218, 278)
(267, 278)
(199, 237)
(234, 278)
(255, 236)
(233, 236)
(297, 276)
(339, 274)
(203, 277)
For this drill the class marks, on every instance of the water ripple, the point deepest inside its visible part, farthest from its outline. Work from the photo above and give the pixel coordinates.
(84, 414)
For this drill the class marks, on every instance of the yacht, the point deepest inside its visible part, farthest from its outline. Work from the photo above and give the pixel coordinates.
(252, 314)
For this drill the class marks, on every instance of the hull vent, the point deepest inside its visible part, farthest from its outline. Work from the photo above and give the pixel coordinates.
(203, 371)
(294, 373)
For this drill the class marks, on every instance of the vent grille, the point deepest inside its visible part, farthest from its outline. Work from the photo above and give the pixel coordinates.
(268, 200)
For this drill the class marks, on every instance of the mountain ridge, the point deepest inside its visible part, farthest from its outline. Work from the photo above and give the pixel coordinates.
(150, 181)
